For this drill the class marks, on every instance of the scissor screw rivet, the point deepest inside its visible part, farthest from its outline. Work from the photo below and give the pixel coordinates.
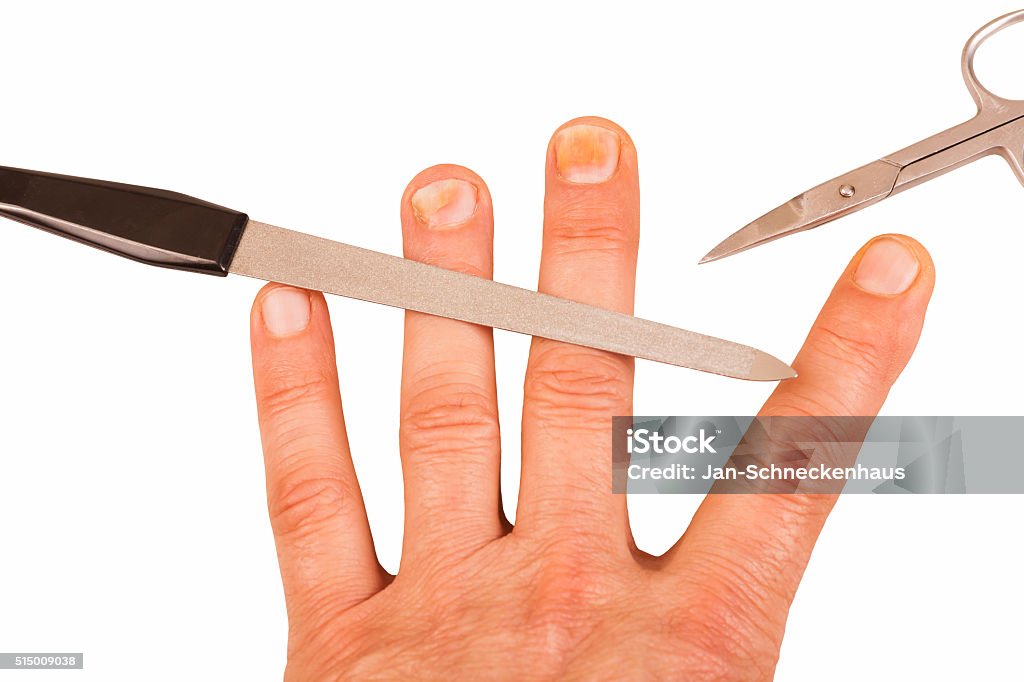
(847, 191)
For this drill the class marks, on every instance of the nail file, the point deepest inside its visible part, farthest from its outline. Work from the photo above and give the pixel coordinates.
(173, 230)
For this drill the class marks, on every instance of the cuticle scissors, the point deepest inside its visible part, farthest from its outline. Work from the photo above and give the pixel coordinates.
(998, 128)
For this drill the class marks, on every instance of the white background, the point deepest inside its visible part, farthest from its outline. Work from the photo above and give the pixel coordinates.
(132, 512)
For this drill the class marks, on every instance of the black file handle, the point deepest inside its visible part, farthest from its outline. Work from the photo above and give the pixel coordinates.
(153, 226)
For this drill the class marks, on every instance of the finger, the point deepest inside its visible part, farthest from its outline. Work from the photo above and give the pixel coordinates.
(591, 233)
(856, 349)
(449, 421)
(316, 510)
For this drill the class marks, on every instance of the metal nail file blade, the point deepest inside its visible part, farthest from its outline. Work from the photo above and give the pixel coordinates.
(172, 230)
(279, 255)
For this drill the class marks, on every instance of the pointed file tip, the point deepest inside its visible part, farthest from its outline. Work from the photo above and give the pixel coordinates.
(769, 368)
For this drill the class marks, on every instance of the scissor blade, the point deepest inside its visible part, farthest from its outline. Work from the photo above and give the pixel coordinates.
(280, 255)
(826, 202)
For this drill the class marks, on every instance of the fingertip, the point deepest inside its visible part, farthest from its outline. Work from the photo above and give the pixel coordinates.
(448, 219)
(865, 333)
(281, 313)
(445, 196)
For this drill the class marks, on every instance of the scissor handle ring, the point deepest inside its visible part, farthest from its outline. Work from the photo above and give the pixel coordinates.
(984, 97)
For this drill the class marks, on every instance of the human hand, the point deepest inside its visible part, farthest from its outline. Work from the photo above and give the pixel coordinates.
(565, 594)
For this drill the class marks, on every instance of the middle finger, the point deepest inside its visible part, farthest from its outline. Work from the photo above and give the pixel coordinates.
(591, 235)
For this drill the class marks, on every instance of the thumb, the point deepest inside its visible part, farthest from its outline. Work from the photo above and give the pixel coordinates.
(756, 546)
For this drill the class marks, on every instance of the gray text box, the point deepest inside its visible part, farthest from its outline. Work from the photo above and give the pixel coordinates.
(49, 661)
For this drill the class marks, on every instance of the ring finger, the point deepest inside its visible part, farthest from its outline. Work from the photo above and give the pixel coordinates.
(449, 407)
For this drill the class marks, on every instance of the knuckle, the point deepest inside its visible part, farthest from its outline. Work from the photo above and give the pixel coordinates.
(808, 406)
(581, 226)
(864, 359)
(714, 654)
(565, 592)
(837, 442)
(447, 413)
(590, 237)
(741, 594)
(301, 502)
(566, 380)
(287, 389)
(721, 625)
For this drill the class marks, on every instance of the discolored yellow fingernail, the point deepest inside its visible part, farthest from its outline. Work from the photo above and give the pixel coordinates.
(285, 311)
(586, 154)
(888, 267)
(445, 204)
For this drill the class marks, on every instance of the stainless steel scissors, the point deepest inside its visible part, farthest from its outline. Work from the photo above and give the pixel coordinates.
(998, 128)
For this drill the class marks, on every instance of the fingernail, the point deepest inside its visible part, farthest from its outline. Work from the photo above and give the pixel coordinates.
(889, 267)
(586, 154)
(285, 311)
(444, 204)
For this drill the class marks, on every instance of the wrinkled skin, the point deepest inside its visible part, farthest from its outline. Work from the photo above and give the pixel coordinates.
(565, 594)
